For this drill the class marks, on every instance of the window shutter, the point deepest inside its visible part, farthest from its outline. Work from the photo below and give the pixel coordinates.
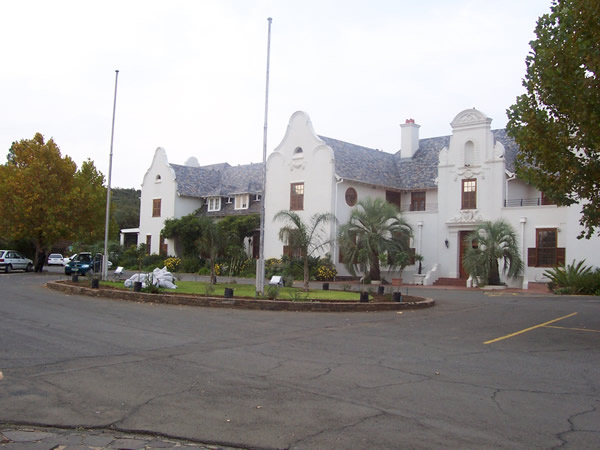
(532, 257)
(560, 256)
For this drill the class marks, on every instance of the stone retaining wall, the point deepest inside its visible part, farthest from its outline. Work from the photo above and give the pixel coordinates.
(409, 302)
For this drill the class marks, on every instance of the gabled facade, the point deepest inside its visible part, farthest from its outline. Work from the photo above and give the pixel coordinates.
(173, 191)
(444, 186)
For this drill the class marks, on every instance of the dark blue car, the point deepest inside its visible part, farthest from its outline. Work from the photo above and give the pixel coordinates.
(84, 263)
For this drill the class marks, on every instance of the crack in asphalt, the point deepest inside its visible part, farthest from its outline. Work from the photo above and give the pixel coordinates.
(562, 435)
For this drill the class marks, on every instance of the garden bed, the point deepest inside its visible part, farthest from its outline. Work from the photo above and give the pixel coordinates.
(379, 303)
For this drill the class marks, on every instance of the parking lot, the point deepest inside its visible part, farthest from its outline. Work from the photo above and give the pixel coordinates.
(480, 369)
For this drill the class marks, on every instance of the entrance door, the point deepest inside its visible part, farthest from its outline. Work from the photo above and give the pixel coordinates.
(463, 246)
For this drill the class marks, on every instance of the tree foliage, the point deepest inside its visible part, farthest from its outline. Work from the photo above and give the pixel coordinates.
(375, 232)
(491, 242)
(557, 122)
(45, 198)
(306, 237)
(186, 231)
(127, 207)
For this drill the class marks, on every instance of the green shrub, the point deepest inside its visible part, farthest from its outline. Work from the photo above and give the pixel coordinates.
(573, 278)
(209, 289)
(190, 264)
(172, 264)
(273, 292)
(326, 270)
(204, 270)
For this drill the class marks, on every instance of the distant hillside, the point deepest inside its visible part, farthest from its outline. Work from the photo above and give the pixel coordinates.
(126, 207)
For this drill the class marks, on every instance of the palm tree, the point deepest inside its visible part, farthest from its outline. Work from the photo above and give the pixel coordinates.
(488, 244)
(308, 238)
(375, 232)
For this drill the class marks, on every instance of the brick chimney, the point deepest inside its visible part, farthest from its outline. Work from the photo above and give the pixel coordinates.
(410, 138)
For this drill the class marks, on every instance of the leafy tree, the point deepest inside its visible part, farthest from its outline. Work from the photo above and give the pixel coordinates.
(557, 122)
(494, 241)
(240, 226)
(306, 237)
(126, 207)
(375, 232)
(45, 198)
(186, 230)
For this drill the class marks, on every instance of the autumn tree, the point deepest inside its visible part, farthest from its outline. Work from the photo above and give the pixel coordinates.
(557, 122)
(45, 198)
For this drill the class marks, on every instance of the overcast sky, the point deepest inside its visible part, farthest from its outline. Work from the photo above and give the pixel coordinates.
(192, 73)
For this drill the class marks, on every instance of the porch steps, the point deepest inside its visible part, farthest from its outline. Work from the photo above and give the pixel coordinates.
(457, 282)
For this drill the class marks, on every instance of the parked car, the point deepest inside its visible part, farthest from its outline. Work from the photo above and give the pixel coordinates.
(84, 262)
(56, 258)
(13, 260)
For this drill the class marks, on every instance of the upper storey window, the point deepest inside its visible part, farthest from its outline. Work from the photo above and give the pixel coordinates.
(298, 153)
(214, 204)
(469, 194)
(417, 201)
(241, 201)
(351, 196)
(156, 204)
(297, 196)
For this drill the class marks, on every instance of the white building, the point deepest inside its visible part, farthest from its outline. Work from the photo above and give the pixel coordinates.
(444, 186)
(173, 191)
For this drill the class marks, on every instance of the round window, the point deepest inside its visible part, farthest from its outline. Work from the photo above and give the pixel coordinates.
(351, 196)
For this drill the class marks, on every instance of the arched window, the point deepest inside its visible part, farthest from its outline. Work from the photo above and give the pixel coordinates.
(157, 179)
(469, 153)
(298, 153)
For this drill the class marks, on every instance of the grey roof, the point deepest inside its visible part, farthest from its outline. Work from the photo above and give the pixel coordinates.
(352, 162)
(218, 180)
(379, 168)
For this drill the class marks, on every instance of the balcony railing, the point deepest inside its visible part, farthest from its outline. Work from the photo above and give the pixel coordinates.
(516, 202)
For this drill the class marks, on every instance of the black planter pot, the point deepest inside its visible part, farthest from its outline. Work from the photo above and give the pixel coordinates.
(95, 283)
(325, 286)
(137, 286)
(364, 297)
(397, 296)
(380, 290)
(75, 278)
(228, 293)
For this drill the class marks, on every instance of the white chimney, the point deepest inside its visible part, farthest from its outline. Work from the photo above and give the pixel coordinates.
(410, 138)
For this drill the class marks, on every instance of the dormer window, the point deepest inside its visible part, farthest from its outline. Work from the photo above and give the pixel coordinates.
(158, 179)
(241, 201)
(214, 204)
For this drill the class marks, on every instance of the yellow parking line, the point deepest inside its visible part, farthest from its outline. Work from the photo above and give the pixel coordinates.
(575, 329)
(529, 329)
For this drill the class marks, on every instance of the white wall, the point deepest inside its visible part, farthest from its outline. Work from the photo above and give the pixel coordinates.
(152, 188)
(314, 167)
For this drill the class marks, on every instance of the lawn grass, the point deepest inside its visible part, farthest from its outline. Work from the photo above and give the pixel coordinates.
(248, 290)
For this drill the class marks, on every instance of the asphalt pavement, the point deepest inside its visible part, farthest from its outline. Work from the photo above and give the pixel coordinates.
(479, 370)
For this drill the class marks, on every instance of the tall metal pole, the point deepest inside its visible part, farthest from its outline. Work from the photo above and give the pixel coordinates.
(112, 135)
(260, 268)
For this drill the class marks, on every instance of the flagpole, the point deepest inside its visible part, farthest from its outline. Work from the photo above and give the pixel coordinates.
(260, 269)
(106, 224)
